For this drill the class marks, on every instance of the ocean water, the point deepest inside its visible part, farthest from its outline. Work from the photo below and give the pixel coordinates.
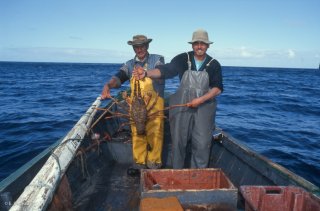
(274, 111)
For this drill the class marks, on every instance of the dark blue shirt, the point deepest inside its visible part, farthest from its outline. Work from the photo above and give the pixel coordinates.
(179, 64)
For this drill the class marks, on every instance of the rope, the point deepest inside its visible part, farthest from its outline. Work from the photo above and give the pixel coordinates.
(58, 162)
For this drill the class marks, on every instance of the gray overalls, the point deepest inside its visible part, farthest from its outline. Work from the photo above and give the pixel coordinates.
(195, 124)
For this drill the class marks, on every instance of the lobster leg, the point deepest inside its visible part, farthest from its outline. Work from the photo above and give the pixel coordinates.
(114, 115)
(154, 103)
(125, 124)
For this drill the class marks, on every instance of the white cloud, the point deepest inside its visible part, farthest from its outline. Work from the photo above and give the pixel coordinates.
(241, 56)
(75, 38)
(291, 53)
(245, 56)
(64, 55)
(244, 52)
(241, 53)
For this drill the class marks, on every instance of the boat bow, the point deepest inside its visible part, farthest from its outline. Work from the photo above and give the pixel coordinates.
(38, 194)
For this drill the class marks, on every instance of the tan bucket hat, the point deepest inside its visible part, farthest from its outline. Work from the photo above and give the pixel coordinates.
(200, 36)
(139, 40)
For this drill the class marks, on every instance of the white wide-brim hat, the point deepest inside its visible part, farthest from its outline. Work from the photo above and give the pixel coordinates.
(200, 36)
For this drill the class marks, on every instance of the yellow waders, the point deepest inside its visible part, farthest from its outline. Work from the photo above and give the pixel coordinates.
(147, 148)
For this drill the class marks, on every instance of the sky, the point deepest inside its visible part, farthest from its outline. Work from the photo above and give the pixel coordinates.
(250, 33)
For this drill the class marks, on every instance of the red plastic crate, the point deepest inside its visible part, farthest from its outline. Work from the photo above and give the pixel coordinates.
(279, 198)
(185, 179)
(190, 186)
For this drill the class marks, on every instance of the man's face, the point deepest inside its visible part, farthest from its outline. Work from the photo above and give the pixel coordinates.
(200, 48)
(141, 51)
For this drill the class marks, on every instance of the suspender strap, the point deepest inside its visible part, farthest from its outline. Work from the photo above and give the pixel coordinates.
(189, 62)
(209, 62)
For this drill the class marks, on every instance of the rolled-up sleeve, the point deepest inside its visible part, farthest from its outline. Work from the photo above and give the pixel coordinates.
(160, 61)
(123, 74)
(215, 75)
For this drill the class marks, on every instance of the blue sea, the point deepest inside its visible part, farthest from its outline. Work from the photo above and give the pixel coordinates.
(274, 111)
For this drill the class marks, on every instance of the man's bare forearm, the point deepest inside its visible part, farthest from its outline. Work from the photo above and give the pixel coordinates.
(154, 73)
(140, 73)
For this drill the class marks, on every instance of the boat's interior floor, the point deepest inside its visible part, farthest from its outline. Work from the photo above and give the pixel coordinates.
(113, 190)
(102, 183)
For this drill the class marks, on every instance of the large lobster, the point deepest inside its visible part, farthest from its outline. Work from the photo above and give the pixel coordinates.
(136, 110)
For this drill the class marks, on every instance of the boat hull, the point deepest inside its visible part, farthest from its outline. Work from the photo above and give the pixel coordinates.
(97, 179)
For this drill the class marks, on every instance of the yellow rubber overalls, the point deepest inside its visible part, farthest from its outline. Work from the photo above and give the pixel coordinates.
(147, 148)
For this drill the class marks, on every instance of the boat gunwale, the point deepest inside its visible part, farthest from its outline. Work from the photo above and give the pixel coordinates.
(232, 144)
(48, 178)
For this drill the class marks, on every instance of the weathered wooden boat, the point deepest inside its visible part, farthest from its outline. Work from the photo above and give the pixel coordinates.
(87, 169)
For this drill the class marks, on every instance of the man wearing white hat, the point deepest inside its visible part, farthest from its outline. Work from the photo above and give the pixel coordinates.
(146, 148)
(200, 82)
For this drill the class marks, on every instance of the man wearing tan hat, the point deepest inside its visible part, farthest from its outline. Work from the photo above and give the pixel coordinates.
(200, 82)
(146, 148)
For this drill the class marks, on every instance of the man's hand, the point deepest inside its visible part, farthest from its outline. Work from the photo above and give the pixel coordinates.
(105, 92)
(195, 102)
(139, 73)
